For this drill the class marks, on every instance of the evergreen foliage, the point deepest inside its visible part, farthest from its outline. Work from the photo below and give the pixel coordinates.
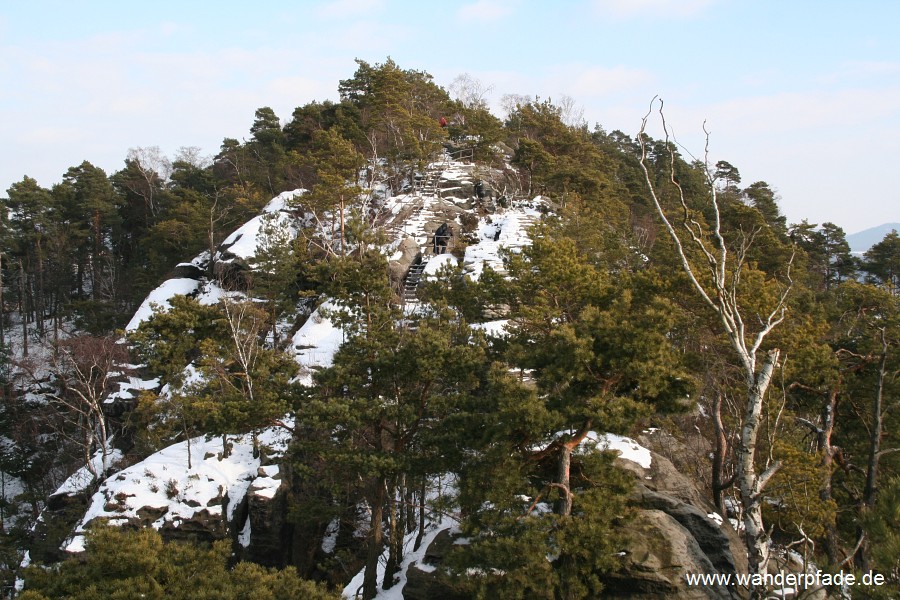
(882, 261)
(138, 564)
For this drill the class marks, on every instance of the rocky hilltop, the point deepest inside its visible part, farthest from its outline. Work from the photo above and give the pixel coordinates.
(246, 497)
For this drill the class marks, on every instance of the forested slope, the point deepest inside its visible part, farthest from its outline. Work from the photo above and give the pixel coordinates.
(395, 342)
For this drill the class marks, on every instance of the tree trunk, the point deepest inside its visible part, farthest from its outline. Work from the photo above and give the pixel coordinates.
(409, 504)
(376, 541)
(750, 483)
(870, 492)
(395, 539)
(187, 439)
(720, 451)
(563, 470)
(421, 532)
(2, 328)
(564, 504)
(274, 326)
(343, 251)
(22, 312)
(39, 308)
(828, 454)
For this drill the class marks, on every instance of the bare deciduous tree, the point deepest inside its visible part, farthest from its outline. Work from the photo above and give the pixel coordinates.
(510, 102)
(154, 168)
(716, 276)
(87, 368)
(570, 113)
(470, 91)
(192, 156)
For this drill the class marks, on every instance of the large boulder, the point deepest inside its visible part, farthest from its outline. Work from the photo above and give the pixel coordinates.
(658, 555)
(676, 532)
(422, 582)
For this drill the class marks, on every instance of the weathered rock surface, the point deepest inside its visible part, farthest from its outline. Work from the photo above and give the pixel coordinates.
(675, 533)
(268, 544)
(399, 267)
(658, 555)
(425, 585)
(672, 535)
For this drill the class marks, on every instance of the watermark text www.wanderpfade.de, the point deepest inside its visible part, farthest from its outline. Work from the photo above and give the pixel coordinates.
(813, 579)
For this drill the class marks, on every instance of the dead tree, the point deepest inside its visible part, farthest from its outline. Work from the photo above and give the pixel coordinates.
(716, 276)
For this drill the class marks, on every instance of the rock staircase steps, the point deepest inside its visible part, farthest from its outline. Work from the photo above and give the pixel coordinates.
(413, 278)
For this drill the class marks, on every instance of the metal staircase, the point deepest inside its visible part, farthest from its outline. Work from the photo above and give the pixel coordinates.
(413, 278)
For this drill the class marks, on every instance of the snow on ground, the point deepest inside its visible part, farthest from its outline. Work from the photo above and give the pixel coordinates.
(410, 558)
(280, 202)
(493, 328)
(210, 293)
(245, 240)
(160, 297)
(266, 485)
(128, 389)
(83, 477)
(437, 263)
(316, 342)
(439, 486)
(329, 540)
(206, 292)
(626, 447)
(507, 229)
(10, 487)
(163, 481)
(190, 376)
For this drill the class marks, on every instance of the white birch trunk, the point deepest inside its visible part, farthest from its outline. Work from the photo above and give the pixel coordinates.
(721, 295)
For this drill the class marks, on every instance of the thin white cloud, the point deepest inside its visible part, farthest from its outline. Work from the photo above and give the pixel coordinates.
(627, 9)
(484, 11)
(345, 9)
(96, 97)
(603, 81)
(860, 70)
(52, 135)
(171, 28)
(809, 111)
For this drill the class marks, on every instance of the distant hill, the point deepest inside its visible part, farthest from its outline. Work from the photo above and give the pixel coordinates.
(863, 240)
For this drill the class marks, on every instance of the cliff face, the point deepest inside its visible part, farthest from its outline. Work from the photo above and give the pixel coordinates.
(676, 533)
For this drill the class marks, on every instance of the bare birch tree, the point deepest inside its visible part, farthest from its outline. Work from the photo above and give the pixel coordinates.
(154, 169)
(714, 271)
(87, 369)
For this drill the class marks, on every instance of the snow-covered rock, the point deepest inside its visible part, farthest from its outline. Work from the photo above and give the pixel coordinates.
(161, 491)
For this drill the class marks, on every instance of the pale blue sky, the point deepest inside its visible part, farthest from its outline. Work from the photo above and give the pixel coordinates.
(802, 94)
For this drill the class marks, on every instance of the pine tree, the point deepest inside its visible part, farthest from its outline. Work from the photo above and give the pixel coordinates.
(598, 351)
(882, 262)
(121, 565)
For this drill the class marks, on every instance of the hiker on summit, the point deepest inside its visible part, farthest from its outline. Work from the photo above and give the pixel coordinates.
(479, 189)
(441, 238)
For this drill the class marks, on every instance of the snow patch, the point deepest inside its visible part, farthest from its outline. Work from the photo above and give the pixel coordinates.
(493, 328)
(267, 483)
(437, 263)
(316, 343)
(160, 297)
(626, 447)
